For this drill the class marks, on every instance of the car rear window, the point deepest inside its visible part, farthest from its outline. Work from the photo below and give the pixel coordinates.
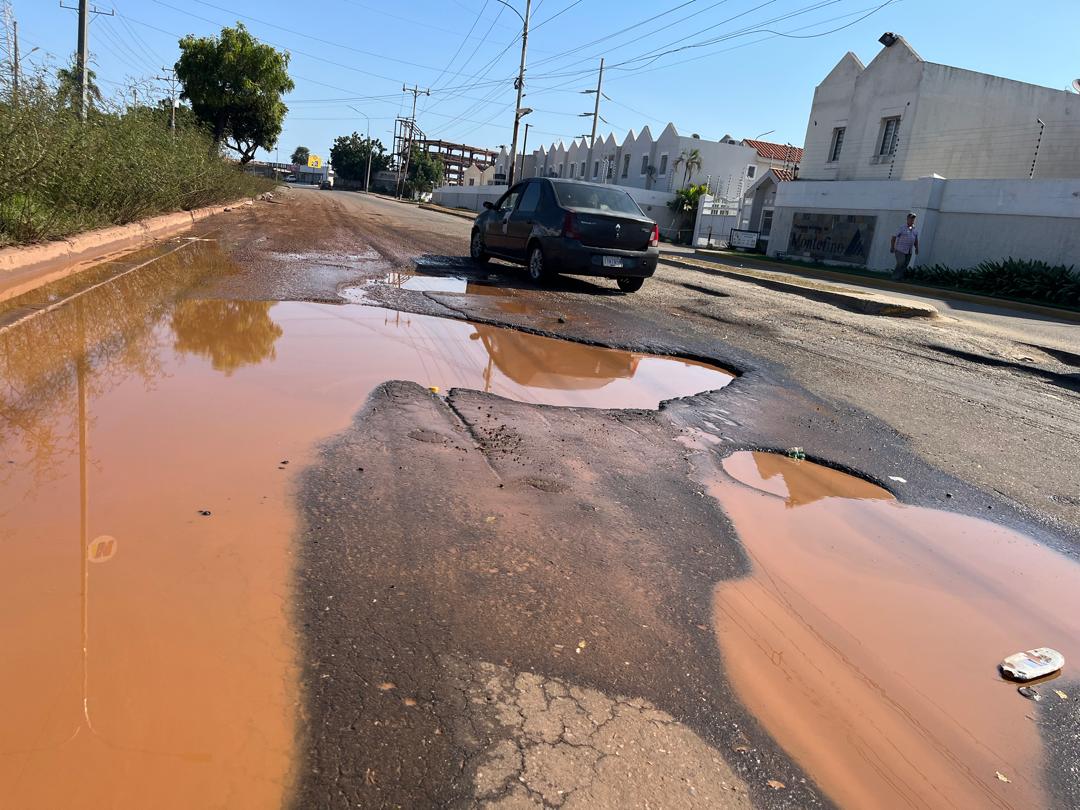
(581, 195)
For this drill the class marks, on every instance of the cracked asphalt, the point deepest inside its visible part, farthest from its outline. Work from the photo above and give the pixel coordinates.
(503, 604)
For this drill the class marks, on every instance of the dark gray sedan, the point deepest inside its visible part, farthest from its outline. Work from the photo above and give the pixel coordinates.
(562, 226)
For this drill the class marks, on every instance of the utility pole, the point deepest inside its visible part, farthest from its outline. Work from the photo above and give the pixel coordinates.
(171, 79)
(524, 147)
(596, 112)
(416, 91)
(520, 84)
(82, 59)
(15, 63)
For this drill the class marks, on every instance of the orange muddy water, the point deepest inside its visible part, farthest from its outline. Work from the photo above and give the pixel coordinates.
(147, 655)
(867, 635)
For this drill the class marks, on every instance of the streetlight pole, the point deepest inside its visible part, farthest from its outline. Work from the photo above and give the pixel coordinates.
(367, 177)
(520, 83)
(596, 112)
(524, 147)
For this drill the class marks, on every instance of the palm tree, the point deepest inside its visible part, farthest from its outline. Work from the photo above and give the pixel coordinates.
(68, 86)
(690, 161)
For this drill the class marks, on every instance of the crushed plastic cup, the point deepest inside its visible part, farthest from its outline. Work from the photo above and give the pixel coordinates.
(1037, 663)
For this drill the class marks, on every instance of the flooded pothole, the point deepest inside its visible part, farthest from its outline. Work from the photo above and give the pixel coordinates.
(147, 524)
(867, 635)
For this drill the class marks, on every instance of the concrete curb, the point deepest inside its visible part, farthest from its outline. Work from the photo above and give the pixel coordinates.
(25, 268)
(888, 285)
(868, 304)
(453, 212)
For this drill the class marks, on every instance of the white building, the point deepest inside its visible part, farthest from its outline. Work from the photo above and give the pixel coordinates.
(476, 175)
(651, 163)
(901, 118)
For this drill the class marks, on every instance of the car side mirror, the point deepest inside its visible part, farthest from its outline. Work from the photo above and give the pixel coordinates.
(489, 205)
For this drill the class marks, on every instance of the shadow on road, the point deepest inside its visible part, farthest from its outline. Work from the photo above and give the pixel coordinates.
(496, 273)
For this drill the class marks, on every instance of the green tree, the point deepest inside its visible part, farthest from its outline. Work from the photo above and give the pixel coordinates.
(425, 173)
(235, 84)
(69, 90)
(230, 334)
(349, 156)
(300, 155)
(685, 205)
(691, 162)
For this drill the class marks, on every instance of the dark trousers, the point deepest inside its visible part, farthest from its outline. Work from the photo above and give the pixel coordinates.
(902, 262)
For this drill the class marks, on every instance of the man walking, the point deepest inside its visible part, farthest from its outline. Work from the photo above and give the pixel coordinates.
(903, 243)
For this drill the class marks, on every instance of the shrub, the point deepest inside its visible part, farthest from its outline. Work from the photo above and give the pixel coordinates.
(1022, 279)
(59, 176)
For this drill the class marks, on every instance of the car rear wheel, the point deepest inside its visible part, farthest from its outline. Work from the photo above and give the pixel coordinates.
(538, 271)
(476, 247)
(629, 285)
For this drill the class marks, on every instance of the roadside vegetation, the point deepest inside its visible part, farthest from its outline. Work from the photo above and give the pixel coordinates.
(1019, 279)
(60, 175)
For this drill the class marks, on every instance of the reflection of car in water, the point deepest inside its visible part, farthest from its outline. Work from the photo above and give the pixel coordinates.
(541, 362)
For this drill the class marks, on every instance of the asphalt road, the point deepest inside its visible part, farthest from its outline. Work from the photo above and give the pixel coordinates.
(444, 556)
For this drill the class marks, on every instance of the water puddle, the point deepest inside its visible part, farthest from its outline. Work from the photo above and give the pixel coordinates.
(149, 441)
(867, 635)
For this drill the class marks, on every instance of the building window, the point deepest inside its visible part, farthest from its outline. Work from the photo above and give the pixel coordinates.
(583, 168)
(751, 170)
(472, 181)
(560, 170)
(626, 165)
(644, 164)
(663, 165)
(890, 132)
(766, 222)
(596, 168)
(572, 167)
(837, 144)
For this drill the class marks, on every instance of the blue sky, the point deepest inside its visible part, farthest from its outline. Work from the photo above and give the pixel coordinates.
(738, 77)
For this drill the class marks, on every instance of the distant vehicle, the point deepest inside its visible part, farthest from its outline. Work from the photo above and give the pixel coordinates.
(326, 184)
(291, 178)
(563, 226)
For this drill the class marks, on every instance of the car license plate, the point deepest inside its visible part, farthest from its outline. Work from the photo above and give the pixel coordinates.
(613, 261)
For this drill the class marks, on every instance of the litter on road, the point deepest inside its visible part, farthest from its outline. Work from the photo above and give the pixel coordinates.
(1026, 666)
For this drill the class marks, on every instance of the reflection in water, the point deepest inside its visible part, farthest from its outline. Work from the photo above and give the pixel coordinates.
(147, 650)
(799, 484)
(867, 635)
(540, 362)
(230, 334)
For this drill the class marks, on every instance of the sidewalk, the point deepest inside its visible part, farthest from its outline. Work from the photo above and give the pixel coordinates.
(852, 299)
(1028, 322)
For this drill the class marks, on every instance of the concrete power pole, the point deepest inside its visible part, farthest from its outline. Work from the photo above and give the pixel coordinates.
(520, 88)
(596, 113)
(15, 63)
(82, 58)
(171, 79)
(416, 91)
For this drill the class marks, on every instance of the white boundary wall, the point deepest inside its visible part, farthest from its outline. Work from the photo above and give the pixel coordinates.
(960, 222)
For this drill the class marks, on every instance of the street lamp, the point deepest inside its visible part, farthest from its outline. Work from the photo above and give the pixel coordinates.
(519, 84)
(367, 177)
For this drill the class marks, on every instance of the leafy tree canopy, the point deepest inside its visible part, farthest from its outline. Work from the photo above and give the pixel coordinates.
(425, 172)
(235, 84)
(300, 155)
(349, 155)
(69, 88)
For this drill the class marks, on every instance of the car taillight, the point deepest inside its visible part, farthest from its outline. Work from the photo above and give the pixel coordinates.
(654, 240)
(569, 227)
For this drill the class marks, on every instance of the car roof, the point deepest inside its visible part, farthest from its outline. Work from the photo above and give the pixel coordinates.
(567, 182)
